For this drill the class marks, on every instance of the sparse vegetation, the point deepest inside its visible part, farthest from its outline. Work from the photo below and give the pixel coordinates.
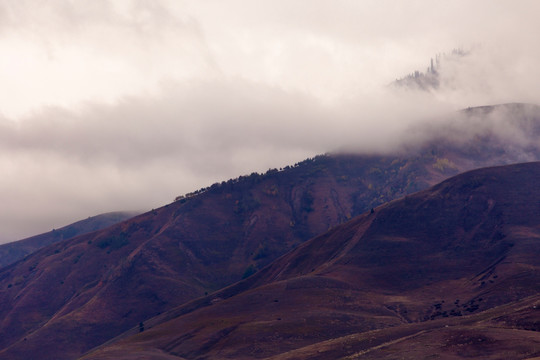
(444, 165)
(246, 204)
(307, 201)
(251, 269)
(261, 252)
(113, 242)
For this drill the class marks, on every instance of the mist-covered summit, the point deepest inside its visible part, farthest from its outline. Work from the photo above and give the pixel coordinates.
(430, 79)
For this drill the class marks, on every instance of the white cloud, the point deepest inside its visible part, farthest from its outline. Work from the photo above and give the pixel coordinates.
(126, 104)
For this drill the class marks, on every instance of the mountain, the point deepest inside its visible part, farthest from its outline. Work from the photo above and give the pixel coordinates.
(431, 79)
(449, 272)
(108, 281)
(14, 251)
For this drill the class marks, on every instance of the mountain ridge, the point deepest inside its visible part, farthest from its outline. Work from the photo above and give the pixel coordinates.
(352, 290)
(13, 251)
(111, 280)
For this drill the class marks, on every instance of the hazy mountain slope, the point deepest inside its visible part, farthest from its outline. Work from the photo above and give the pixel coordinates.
(109, 281)
(14, 251)
(435, 258)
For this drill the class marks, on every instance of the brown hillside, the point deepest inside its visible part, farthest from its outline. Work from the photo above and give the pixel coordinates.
(451, 270)
(74, 295)
(14, 251)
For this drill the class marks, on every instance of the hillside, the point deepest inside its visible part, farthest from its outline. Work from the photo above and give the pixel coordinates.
(14, 251)
(451, 270)
(108, 281)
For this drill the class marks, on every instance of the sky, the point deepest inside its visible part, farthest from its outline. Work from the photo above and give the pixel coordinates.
(126, 104)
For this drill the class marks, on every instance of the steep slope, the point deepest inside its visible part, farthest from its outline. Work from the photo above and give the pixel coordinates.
(109, 281)
(14, 251)
(453, 269)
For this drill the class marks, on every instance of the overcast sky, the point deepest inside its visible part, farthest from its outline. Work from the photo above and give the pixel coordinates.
(123, 105)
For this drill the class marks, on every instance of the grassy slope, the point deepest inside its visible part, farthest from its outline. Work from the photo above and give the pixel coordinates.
(451, 270)
(109, 281)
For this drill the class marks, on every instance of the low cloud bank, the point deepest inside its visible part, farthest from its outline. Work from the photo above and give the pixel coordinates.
(125, 105)
(61, 165)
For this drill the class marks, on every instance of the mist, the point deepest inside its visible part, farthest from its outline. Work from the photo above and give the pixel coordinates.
(123, 107)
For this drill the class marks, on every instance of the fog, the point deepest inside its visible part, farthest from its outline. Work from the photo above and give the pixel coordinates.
(124, 105)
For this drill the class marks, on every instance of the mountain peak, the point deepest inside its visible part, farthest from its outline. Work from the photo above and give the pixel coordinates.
(430, 79)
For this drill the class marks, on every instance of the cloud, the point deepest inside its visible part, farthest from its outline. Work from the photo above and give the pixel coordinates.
(127, 104)
(60, 53)
(141, 152)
